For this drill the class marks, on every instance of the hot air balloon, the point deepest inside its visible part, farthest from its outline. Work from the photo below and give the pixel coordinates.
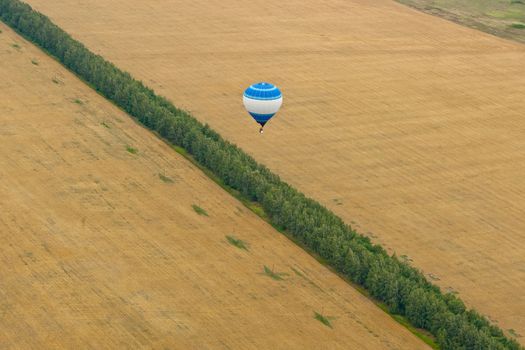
(262, 101)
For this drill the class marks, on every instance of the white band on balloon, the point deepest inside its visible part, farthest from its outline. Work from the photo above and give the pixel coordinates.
(262, 106)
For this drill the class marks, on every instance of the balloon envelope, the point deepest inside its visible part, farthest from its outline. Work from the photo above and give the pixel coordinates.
(262, 101)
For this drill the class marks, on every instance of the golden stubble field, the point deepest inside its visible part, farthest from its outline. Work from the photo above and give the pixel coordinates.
(99, 252)
(408, 126)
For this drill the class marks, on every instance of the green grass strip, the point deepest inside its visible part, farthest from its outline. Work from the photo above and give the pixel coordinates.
(239, 243)
(199, 210)
(278, 276)
(323, 319)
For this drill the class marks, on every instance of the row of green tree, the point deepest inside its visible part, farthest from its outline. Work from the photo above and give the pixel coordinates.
(401, 287)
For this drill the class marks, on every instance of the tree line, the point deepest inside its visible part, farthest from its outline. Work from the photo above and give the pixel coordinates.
(401, 287)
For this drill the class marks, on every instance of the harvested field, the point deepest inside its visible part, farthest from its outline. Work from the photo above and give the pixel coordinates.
(408, 126)
(113, 240)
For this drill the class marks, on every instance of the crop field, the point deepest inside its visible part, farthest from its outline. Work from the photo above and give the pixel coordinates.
(111, 239)
(504, 18)
(408, 126)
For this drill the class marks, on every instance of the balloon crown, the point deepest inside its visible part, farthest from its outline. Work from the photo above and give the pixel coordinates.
(263, 91)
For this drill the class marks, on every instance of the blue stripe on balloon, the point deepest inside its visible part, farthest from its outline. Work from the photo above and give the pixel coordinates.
(260, 98)
(267, 91)
(261, 118)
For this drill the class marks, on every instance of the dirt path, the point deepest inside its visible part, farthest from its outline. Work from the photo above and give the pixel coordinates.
(102, 249)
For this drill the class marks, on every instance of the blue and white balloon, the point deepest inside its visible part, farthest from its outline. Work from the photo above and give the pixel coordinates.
(262, 101)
